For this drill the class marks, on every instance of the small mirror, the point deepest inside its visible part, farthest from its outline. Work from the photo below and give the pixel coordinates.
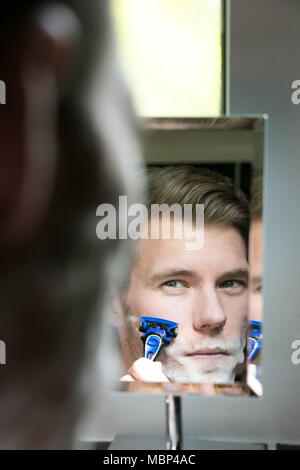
(189, 319)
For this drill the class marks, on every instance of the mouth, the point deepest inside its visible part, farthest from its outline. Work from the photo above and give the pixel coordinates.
(208, 353)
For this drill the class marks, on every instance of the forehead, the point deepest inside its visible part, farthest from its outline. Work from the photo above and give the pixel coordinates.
(223, 250)
(256, 247)
(256, 238)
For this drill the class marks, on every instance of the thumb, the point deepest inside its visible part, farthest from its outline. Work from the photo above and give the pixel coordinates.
(146, 370)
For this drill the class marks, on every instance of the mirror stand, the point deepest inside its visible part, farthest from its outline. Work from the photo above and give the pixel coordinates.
(173, 436)
(173, 423)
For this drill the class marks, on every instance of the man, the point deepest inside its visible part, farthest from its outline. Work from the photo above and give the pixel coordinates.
(254, 376)
(60, 158)
(256, 251)
(204, 291)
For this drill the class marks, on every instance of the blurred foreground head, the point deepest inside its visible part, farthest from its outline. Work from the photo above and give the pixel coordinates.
(66, 146)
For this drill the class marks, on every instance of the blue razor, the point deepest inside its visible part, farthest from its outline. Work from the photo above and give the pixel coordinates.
(254, 339)
(157, 334)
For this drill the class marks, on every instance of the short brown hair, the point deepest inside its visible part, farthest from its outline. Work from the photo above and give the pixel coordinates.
(224, 203)
(257, 196)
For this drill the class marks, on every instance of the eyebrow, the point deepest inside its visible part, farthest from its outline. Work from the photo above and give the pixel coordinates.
(239, 273)
(256, 279)
(171, 272)
(175, 272)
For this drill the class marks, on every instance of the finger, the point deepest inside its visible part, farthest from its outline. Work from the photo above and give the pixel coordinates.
(147, 371)
(127, 378)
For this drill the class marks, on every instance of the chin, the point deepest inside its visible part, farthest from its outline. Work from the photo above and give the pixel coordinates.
(210, 376)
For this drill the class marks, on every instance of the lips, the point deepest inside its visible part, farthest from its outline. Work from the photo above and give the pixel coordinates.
(208, 352)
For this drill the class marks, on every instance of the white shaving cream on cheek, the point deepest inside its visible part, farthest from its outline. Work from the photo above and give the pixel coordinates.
(181, 368)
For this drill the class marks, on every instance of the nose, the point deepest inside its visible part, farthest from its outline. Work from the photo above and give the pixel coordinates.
(208, 311)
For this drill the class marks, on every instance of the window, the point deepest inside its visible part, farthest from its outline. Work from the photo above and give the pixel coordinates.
(171, 52)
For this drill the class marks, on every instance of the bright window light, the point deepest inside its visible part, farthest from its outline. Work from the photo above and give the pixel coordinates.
(171, 52)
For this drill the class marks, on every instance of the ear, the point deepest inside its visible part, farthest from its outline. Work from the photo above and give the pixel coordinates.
(37, 57)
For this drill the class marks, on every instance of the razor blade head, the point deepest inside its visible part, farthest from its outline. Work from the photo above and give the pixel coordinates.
(168, 329)
(157, 334)
(255, 337)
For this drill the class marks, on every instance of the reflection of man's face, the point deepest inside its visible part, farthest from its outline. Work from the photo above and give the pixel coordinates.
(205, 291)
(256, 261)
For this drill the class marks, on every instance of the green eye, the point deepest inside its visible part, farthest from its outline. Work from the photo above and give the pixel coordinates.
(230, 284)
(258, 288)
(233, 285)
(173, 283)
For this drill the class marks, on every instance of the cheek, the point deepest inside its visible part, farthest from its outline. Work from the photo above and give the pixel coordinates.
(157, 304)
(236, 308)
(255, 307)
